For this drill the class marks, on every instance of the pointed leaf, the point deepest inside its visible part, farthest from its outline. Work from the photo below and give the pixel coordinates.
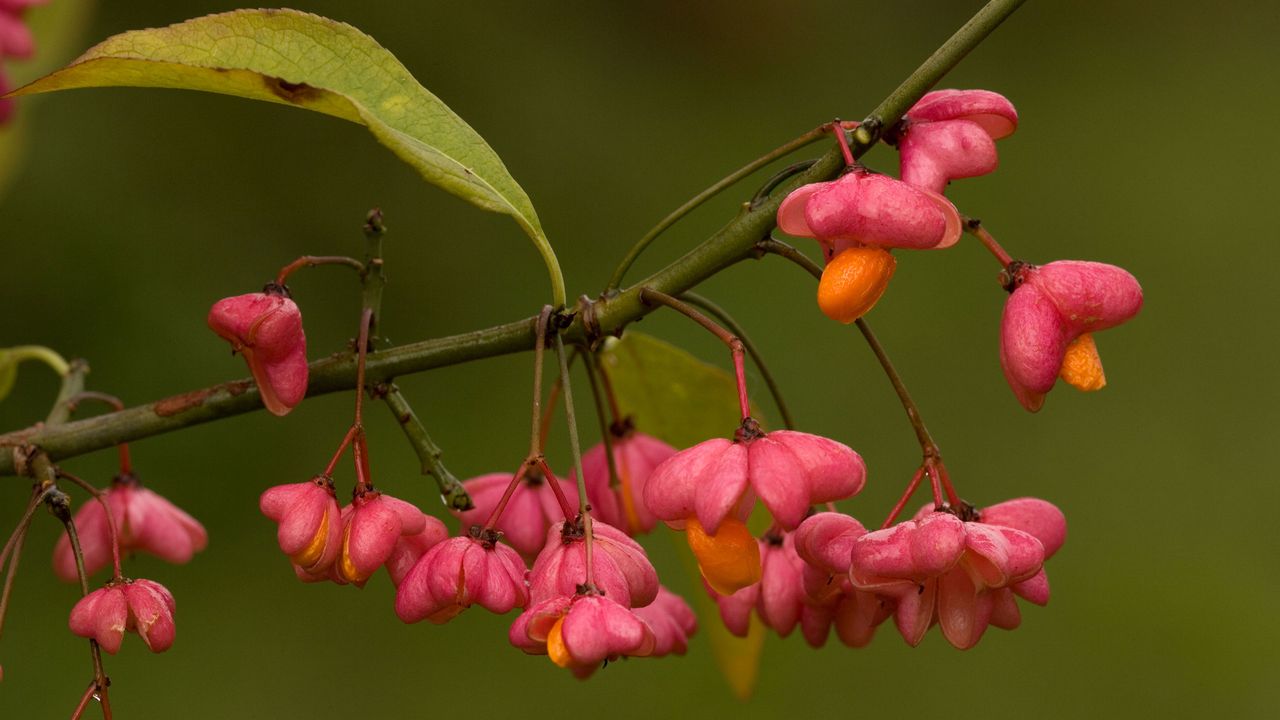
(669, 393)
(307, 61)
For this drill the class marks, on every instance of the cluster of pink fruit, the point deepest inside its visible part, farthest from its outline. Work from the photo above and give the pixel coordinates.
(587, 590)
(1048, 322)
(127, 518)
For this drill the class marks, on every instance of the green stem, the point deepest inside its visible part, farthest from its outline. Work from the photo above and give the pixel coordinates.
(72, 385)
(927, 445)
(727, 320)
(372, 280)
(588, 532)
(451, 491)
(556, 276)
(539, 348)
(574, 446)
(946, 57)
(773, 246)
(778, 178)
(606, 429)
(692, 203)
(736, 241)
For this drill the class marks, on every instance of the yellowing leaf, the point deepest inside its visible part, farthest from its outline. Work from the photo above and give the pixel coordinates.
(669, 393)
(737, 658)
(11, 357)
(682, 400)
(307, 61)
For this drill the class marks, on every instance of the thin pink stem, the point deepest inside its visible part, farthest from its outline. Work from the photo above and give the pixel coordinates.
(740, 374)
(97, 689)
(649, 296)
(314, 260)
(104, 699)
(342, 447)
(935, 482)
(360, 455)
(84, 700)
(558, 491)
(906, 496)
(945, 476)
(839, 131)
(974, 227)
(506, 496)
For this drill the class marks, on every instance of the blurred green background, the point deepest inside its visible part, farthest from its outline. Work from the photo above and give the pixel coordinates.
(1147, 140)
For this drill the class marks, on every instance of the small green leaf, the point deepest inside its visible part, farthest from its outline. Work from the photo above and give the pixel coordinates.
(8, 372)
(307, 61)
(669, 393)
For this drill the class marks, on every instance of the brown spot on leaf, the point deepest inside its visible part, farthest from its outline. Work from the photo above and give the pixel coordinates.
(296, 93)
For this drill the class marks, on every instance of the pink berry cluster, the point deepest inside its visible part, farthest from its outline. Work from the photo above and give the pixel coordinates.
(563, 555)
(127, 518)
(948, 135)
(580, 612)
(584, 588)
(266, 328)
(15, 42)
(959, 568)
(756, 508)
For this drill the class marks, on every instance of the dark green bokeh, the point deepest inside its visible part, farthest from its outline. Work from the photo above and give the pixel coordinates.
(1147, 140)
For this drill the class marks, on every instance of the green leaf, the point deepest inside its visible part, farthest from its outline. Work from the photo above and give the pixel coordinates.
(8, 372)
(737, 658)
(307, 61)
(669, 393)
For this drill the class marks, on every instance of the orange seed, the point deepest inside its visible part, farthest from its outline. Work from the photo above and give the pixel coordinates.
(854, 281)
(556, 650)
(1081, 366)
(730, 559)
